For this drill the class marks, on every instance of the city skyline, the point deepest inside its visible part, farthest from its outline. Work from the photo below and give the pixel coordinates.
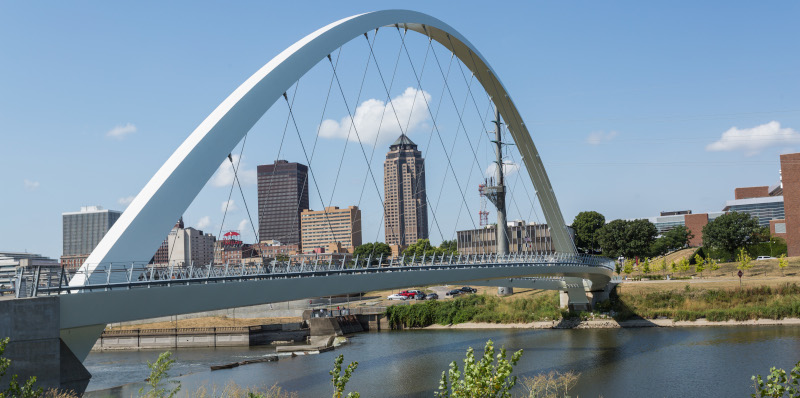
(651, 134)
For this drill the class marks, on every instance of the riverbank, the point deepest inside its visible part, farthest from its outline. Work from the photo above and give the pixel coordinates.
(613, 324)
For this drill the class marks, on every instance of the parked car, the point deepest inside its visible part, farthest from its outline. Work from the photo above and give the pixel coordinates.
(418, 294)
(407, 294)
(467, 289)
(454, 292)
(397, 296)
(764, 258)
(432, 296)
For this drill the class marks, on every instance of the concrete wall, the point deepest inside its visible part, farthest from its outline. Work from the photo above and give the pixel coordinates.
(35, 349)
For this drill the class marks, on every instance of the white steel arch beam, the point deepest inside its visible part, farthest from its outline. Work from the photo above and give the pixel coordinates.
(141, 228)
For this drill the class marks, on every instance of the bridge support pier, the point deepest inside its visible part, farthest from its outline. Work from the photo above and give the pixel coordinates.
(36, 347)
(574, 297)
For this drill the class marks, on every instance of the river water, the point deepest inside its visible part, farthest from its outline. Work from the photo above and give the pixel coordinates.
(653, 362)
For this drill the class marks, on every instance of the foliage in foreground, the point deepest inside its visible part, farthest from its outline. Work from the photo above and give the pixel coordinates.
(231, 390)
(15, 390)
(340, 380)
(712, 304)
(476, 308)
(778, 384)
(158, 374)
(481, 379)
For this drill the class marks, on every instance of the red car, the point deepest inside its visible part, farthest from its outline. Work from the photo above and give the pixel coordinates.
(407, 294)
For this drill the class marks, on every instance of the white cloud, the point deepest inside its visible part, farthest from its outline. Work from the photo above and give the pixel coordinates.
(125, 201)
(242, 225)
(509, 168)
(368, 118)
(119, 132)
(31, 185)
(228, 205)
(203, 222)
(224, 174)
(598, 137)
(755, 139)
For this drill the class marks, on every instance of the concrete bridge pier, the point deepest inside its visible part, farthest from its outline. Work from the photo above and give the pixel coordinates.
(36, 345)
(574, 296)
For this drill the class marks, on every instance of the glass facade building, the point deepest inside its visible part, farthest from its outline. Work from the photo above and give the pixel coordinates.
(764, 208)
(282, 196)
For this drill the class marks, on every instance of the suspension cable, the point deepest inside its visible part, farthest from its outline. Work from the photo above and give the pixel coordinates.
(449, 162)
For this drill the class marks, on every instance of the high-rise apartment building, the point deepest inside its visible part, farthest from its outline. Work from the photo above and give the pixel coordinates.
(282, 196)
(405, 204)
(333, 225)
(82, 231)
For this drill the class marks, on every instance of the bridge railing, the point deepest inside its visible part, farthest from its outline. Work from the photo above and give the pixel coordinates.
(130, 275)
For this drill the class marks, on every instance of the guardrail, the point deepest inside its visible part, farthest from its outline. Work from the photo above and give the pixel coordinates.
(105, 277)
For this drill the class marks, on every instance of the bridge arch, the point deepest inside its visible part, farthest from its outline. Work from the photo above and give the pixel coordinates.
(141, 227)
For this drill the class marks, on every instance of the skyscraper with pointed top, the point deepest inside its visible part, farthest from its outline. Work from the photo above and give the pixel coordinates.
(405, 204)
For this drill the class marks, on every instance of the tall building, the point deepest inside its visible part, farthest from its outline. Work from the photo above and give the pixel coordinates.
(405, 204)
(332, 225)
(282, 196)
(82, 231)
(762, 203)
(186, 246)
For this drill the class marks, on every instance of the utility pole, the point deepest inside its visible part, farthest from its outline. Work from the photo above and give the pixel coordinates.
(497, 195)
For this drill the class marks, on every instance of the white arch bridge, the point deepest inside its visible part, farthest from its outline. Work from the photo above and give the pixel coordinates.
(109, 288)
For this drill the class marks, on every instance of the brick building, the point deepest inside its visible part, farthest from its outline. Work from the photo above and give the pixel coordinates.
(790, 184)
(331, 226)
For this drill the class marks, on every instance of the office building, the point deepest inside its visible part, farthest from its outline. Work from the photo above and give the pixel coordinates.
(82, 231)
(333, 225)
(9, 261)
(405, 203)
(522, 238)
(185, 246)
(282, 196)
(763, 203)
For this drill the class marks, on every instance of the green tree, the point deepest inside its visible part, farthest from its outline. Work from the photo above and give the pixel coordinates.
(732, 231)
(340, 380)
(663, 265)
(778, 385)
(646, 266)
(449, 247)
(783, 262)
(158, 374)
(15, 390)
(744, 260)
(684, 266)
(640, 235)
(586, 226)
(611, 238)
(373, 249)
(713, 264)
(699, 261)
(673, 267)
(627, 238)
(482, 378)
(676, 238)
(628, 268)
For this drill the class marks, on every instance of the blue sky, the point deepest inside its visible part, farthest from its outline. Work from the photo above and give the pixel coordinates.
(635, 107)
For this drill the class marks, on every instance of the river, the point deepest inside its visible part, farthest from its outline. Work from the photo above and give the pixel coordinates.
(657, 362)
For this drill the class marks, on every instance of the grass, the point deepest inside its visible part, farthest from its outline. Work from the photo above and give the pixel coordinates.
(714, 304)
(477, 308)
